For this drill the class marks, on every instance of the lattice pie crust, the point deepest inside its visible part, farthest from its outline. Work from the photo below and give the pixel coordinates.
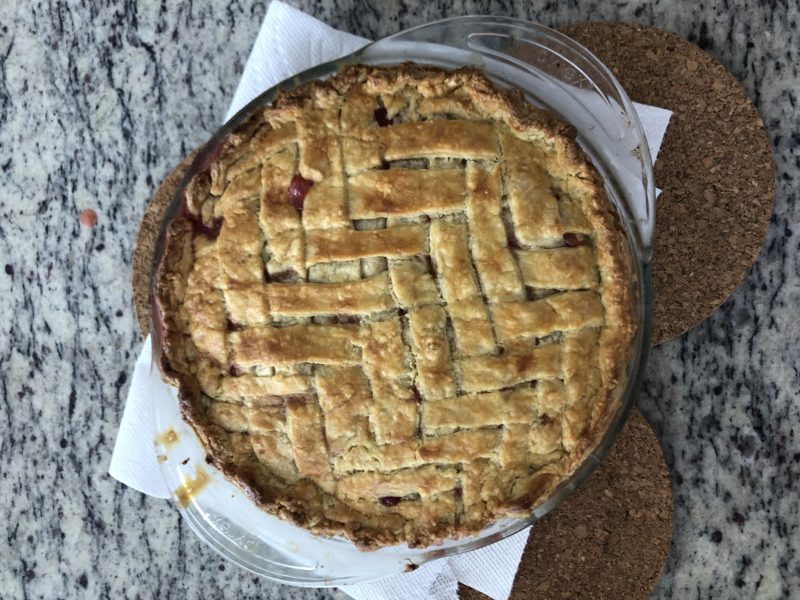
(397, 305)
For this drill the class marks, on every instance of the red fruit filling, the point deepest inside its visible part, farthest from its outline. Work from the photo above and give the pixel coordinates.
(298, 189)
(382, 117)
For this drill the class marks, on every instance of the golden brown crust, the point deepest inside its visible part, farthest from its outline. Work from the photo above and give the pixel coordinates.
(400, 355)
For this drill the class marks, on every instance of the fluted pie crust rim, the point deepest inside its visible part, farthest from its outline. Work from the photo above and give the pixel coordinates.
(463, 432)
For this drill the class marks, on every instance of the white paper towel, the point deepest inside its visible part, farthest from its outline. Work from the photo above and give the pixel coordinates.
(133, 461)
(288, 42)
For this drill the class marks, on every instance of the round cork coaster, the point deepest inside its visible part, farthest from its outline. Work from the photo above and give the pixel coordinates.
(143, 249)
(715, 168)
(610, 539)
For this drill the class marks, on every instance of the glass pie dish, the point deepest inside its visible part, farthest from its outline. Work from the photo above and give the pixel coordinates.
(555, 73)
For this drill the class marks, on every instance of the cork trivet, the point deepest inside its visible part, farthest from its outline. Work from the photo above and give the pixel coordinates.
(146, 242)
(715, 168)
(610, 539)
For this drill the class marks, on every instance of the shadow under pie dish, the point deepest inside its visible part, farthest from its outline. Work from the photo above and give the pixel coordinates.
(396, 304)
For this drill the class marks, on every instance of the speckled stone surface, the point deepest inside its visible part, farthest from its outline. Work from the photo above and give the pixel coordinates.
(96, 106)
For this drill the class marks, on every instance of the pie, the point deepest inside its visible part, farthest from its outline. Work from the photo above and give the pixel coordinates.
(398, 305)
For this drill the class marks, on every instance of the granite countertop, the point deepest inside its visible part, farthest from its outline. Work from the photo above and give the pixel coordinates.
(97, 105)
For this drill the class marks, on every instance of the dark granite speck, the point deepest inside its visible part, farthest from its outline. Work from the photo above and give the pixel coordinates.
(98, 102)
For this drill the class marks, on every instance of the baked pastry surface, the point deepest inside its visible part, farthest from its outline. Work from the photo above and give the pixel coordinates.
(397, 305)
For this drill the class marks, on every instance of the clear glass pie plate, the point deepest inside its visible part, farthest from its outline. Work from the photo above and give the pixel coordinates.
(554, 72)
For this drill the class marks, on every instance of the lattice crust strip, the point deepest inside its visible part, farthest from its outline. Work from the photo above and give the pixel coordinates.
(395, 300)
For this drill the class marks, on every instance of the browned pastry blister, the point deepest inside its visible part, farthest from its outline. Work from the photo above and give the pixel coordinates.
(398, 305)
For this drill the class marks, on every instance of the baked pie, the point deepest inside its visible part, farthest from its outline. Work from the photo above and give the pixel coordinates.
(397, 304)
